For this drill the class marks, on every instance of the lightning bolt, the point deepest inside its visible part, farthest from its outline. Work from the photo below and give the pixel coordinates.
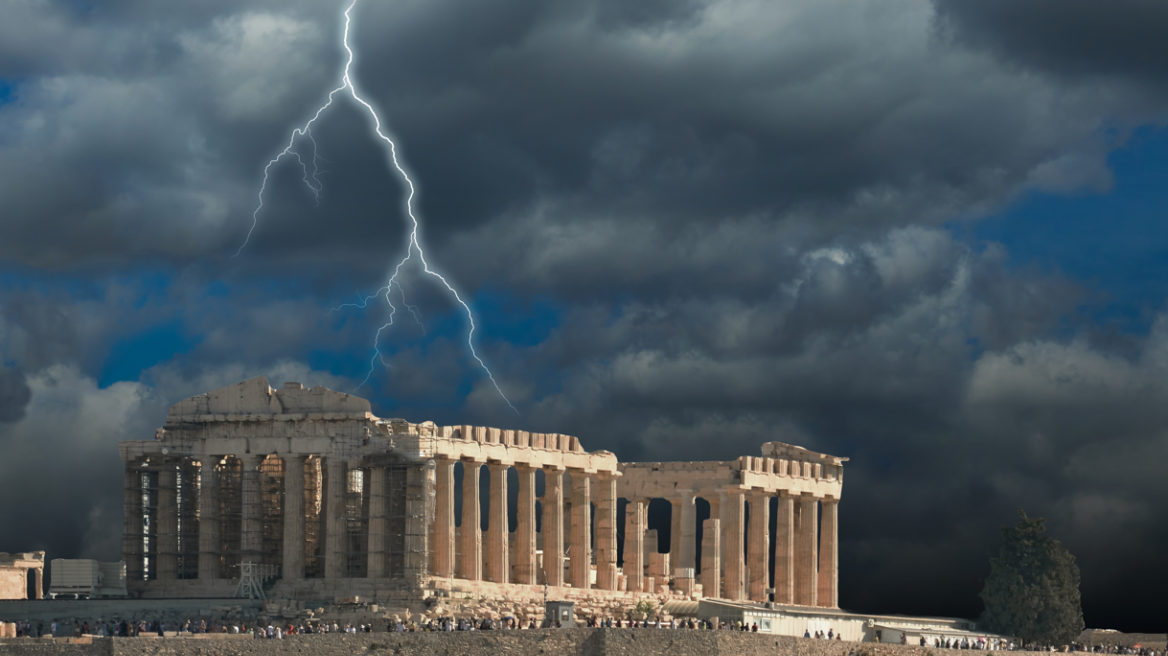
(413, 246)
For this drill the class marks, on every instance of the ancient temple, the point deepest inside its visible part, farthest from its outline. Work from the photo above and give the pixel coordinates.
(327, 500)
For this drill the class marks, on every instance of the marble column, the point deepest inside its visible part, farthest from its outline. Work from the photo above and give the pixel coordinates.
(444, 550)
(497, 565)
(606, 531)
(293, 563)
(251, 534)
(785, 551)
(634, 569)
(470, 561)
(209, 554)
(580, 567)
(806, 585)
(674, 535)
(39, 591)
(553, 525)
(715, 501)
(378, 524)
(733, 520)
(711, 557)
(167, 522)
(132, 523)
(828, 555)
(687, 552)
(336, 520)
(759, 552)
(526, 571)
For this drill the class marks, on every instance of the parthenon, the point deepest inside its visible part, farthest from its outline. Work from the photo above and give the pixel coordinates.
(333, 501)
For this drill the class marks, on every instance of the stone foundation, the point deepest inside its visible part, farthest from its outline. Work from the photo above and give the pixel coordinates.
(558, 642)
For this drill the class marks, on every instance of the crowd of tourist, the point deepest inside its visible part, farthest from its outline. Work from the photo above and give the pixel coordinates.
(125, 628)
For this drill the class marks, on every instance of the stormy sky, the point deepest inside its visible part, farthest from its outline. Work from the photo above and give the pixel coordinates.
(928, 236)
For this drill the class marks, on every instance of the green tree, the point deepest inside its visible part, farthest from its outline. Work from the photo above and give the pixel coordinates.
(1032, 591)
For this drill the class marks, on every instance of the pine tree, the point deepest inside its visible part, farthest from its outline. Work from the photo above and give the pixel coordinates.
(1032, 592)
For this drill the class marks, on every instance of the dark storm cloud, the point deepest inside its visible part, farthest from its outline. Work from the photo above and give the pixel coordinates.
(730, 208)
(14, 394)
(1076, 37)
(152, 127)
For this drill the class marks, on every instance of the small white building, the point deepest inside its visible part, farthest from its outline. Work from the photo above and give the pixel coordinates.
(854, 627)
(87, 578)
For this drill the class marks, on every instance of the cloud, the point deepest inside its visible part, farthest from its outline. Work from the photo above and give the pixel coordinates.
(14, 395)
(699, 226)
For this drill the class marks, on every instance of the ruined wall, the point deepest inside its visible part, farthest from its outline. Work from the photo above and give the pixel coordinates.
(13, 583)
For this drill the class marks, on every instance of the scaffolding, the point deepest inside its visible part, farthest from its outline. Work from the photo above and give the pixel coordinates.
(164, 513)
(356, 524)
(396, 482)
(162, 527)
(314, 486)
(229, 498)
(187, 484)
(271, 490)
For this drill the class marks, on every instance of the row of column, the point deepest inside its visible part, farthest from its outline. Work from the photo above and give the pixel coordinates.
(466, 560)
(736, 560)
(251, 526)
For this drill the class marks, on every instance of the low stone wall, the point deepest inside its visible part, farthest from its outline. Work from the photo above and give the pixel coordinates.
(88, 610)
(548, 642)
(55, 647)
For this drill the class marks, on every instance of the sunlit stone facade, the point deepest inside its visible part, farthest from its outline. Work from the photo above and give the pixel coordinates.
(341, 503)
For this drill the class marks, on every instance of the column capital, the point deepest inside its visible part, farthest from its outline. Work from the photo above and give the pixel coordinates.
(554, 468)
(607, 475)
(474, 460)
